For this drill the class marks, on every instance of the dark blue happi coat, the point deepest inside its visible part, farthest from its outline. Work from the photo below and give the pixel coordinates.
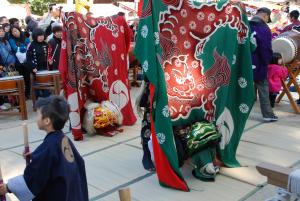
(262, 56)
(57, 171)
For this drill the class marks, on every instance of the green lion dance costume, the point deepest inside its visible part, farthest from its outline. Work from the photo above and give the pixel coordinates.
(197, 58)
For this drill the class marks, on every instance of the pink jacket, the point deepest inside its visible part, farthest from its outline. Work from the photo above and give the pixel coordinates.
(275, 74)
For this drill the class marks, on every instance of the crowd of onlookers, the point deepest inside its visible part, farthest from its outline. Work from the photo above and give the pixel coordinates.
(26, 49)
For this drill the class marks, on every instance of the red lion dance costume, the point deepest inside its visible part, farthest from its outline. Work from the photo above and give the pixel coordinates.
(93, 65)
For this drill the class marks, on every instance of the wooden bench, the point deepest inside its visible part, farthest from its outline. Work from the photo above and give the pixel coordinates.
(14, 86)
(276, 175)
(45, 80)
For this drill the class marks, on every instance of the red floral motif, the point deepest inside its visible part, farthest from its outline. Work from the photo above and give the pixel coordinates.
(188, 86)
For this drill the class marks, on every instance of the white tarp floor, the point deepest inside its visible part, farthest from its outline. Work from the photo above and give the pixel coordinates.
(115, 162)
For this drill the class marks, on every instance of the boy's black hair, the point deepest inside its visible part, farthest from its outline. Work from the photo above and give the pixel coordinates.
(56, 28)
(294, 14)
(37, 32)
(13, 20)
(56, 109)
(275, 57)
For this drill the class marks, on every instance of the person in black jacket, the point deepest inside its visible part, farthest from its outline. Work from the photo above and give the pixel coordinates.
(54, 48)
(37, 56)
(37, 51)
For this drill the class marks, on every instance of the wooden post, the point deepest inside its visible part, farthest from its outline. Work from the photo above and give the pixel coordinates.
(124, 194)
(26, 143)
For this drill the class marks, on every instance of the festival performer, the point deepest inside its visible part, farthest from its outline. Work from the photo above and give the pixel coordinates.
(276, 73)
(56, 171)
(197, 59)
(93, 65)
(144, 102)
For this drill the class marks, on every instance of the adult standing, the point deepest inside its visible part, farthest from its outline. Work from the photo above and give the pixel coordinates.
(7, 60)
(19, 43)
(6, 53)
(261, 58)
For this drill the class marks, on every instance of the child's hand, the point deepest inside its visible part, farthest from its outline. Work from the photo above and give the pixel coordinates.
(35, 70)
(28, 154)
(3, 189)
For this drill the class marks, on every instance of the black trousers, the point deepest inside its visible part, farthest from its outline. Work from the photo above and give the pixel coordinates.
(23, 70)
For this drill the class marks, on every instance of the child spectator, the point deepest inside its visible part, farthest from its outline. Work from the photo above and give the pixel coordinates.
(37, 52)
(56, 170)
(54, 48)
(276, 73)
(37, 57)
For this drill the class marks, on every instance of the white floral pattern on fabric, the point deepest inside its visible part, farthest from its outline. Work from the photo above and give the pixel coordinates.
(122, 56)
(182, 30)
(115, 34)
(174, 39)
(113, 47)
(195, 64)
(192, 25)
(161, 138)
(206, 28)
(145, 66)
(242, 82)
(253, 39)
(144, 31)
(183, 13)
(234, 59)
(228, 10)
(156, 36)
(211, 17)
(187, 44)
(244, 108)
(200, 16)
(166, 112)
